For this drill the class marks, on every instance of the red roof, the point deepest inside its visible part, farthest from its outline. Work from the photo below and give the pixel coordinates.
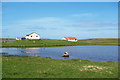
(70, 38)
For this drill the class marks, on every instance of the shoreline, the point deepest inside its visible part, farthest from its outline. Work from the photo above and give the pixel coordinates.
(58, 45)
(7, 55)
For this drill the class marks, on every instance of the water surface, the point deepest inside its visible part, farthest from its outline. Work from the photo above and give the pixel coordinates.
(98, 53)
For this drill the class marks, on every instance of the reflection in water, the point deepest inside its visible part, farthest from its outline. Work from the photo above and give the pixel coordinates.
(97, 53)
(65, 58)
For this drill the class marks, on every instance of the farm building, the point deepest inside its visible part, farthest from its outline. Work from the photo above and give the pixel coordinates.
(70, 39)
(33, 36)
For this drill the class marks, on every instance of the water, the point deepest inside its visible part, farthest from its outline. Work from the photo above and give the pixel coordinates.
(98, 53)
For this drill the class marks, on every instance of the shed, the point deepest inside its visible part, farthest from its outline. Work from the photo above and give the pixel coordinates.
(70, 39)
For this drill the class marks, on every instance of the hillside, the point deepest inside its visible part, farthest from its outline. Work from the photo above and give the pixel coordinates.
(100, 40)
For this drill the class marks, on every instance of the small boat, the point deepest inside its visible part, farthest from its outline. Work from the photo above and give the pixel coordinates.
(66, 54)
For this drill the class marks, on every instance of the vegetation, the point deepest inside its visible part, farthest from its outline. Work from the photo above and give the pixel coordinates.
(3, 53)
(45, 43)
(7, 39)
(100, 40)
(41, 67)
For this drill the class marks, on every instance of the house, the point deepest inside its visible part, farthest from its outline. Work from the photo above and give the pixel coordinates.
(33, 36)
(70, 39)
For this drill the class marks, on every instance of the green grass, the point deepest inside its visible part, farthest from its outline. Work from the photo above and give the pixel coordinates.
(41, 67)
(45, 43)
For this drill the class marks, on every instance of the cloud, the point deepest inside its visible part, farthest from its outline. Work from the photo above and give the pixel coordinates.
(36, 28)
(41, 28)
(45, 19)
(83, 15)
(88, 24)
(107, 24)
(54, 26)
(45, 22)
(56, 23)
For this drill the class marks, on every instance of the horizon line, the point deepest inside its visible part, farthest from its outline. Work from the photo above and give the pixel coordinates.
(77, 38)
(60, 1)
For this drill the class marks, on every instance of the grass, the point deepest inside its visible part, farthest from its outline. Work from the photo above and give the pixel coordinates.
(3, 53)
(7, 39)
(101, 40)
(41, 67)
(45, 43)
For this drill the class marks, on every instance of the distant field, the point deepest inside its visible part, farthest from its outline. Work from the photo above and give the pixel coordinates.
(7, 39)
(41, 67)
(97, 40)
(52, 43)
(100, 40)
(42, 43)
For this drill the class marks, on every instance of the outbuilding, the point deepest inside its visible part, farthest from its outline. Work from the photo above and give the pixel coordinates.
(70, 39)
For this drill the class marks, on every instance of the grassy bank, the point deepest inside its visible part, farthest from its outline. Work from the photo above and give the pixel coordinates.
(100, 40)
(45, 43)
(41, 67)
(7, 39)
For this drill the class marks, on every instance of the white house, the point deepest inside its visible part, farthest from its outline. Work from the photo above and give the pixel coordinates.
(70, 39)
(33, 36)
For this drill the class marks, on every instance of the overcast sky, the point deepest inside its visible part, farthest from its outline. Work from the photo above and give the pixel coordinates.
(55, 20)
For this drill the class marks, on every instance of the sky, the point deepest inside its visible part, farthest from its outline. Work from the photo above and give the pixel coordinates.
(60, 0)
(55, 20)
